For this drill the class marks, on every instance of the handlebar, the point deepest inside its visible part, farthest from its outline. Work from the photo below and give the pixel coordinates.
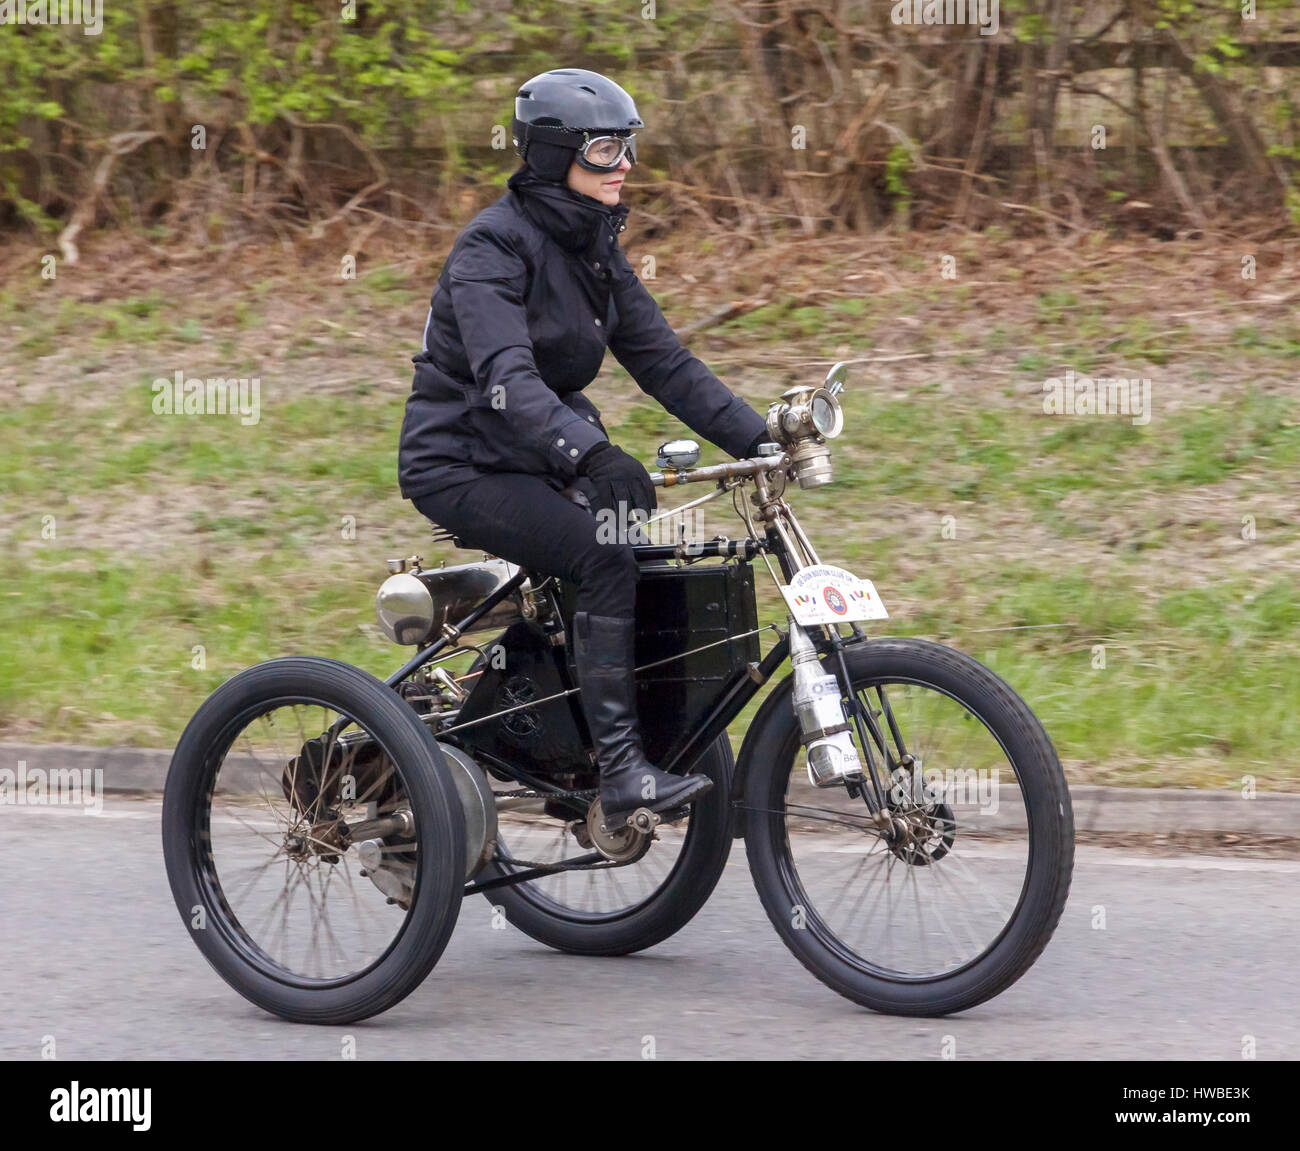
(741, 469)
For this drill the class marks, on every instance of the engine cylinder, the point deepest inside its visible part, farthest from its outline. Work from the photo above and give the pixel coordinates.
(414, 606)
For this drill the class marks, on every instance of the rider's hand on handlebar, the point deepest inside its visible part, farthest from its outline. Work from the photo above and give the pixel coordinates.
(618, 477)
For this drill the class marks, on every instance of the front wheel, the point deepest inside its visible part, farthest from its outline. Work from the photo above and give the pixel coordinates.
(948, 900)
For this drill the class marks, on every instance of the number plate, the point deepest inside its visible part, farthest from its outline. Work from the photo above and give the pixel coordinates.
(825, 594)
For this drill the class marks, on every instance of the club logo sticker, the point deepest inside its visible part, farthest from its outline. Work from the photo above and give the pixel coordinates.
(823, 594)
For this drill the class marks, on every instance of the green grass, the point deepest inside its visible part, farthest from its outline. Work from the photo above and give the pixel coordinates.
(182, 532)
(1195, 676)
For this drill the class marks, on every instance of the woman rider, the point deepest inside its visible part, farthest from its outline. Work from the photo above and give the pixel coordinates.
(497, 427)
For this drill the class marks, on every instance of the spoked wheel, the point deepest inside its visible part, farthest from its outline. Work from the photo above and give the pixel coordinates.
(652, 889)
(953, 898)
(313, 839)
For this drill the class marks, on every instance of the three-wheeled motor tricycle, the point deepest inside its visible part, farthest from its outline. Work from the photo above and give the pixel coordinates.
(906, 822)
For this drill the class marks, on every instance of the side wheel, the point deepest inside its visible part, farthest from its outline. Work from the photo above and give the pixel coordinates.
(949, 899)
(616, 909)
(313, 839)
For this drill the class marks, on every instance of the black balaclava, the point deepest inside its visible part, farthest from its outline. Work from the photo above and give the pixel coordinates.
(572, 219)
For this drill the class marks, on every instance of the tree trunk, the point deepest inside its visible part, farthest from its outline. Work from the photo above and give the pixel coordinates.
(1224, 102)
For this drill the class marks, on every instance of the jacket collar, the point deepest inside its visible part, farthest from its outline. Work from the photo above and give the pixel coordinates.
(573, 220)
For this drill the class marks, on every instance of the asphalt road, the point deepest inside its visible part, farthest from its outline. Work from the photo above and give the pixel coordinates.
(1196, 954)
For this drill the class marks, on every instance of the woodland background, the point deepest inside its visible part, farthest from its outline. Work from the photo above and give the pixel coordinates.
(765, 115)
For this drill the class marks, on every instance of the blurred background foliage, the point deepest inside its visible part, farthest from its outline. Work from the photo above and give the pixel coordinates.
(769, 115)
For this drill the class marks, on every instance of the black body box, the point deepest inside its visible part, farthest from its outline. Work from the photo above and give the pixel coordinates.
(677, 609)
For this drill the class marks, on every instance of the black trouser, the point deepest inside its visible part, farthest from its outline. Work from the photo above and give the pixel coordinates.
(519, 518)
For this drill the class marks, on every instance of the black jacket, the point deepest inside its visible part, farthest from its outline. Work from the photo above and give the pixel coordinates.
(534, 290)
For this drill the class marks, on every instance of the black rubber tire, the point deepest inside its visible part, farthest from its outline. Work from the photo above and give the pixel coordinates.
(439, 829)
(686, 889)
(1048, 812)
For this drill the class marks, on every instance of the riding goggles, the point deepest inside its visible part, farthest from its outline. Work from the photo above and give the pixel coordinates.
(605, 153)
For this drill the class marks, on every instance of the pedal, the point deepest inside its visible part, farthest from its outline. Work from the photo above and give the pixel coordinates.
(651, 820)
(644, 820)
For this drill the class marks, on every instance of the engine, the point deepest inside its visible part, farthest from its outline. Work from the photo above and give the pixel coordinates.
(523, 668)
(414, 604)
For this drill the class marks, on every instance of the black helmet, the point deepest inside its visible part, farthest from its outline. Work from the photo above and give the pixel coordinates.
(562, 111)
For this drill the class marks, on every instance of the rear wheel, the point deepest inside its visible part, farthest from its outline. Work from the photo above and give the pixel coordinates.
(314, 841)
(615, 909)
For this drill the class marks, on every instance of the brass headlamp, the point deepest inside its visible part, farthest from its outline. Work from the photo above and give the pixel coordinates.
(802, 420)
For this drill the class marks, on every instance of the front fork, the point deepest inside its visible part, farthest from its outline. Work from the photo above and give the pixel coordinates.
(827, 736)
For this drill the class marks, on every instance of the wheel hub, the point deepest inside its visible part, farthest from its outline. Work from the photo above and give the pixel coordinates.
(923, 835)
(622, 845)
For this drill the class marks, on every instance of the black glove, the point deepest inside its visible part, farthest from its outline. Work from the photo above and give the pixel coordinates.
(752, 450)
(618, 478)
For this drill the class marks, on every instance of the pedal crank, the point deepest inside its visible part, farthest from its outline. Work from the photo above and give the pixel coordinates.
(623, 844)
(644, 820)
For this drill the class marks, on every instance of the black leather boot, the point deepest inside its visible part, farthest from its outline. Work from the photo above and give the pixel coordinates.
(603, 654)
